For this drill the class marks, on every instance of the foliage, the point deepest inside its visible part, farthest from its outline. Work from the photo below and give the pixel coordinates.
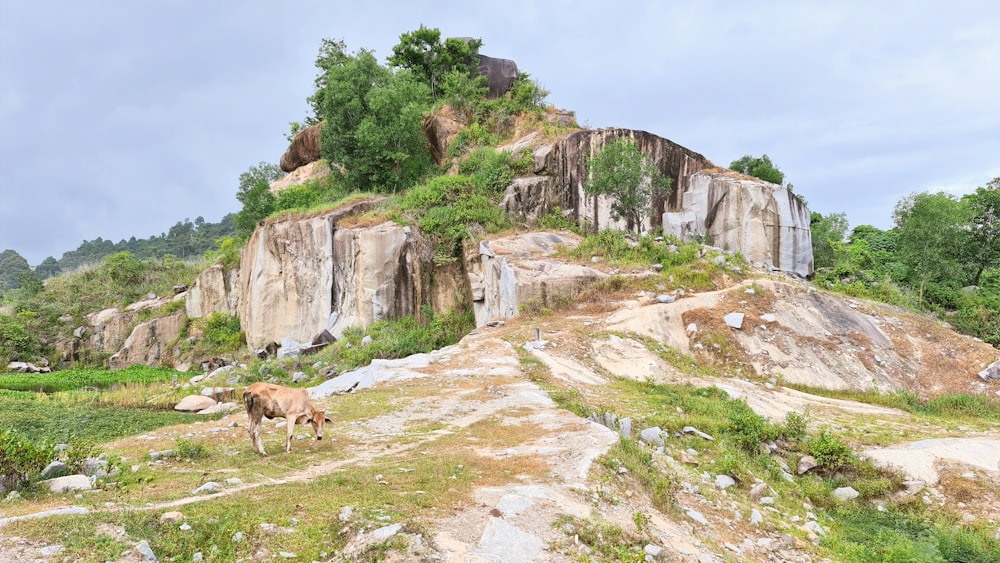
(826, 230)
(221, 332)
(16, 341)
(747, 429)
(463, 93)
(78, 418)
(981, 244)
(863, 534)
(622, 171)
(373, 119)
(424, 53)
(929, 227)
(761, 167)
(12, 265)
(48, 268)
(400, 338)
(20, 458)
(255, 194)
(71, 379)
(831, 454)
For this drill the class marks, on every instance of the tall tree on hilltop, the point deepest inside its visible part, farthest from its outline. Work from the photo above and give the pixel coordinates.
(826, 230)
(373, 124)
(255, 195)
(430, 59)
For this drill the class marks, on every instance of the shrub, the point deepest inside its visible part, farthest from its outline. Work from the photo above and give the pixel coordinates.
(20, 458)
(222, 332)
(747, 429)
(831, 454)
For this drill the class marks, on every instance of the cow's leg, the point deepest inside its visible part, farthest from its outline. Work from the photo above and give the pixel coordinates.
(289, 430)
(255, 438)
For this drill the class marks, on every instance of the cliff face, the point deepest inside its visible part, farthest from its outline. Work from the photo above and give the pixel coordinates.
(763, 221)
(300, 276)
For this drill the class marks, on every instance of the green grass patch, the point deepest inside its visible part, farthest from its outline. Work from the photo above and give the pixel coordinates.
(863, 534)
(70, 420)
(961, 407)
(71, 379)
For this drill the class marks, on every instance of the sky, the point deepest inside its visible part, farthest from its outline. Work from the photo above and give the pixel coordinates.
(120, 119)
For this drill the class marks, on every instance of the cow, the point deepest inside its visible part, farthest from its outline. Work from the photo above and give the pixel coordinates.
(272, 401)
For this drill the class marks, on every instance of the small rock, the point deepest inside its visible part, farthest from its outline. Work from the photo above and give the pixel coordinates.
(696, 516)
(696, 432)
(734, 320)
(756, 517)
(768, 318)
(55, 469)
(767, 501)
(366, 340)
(844, 494)
(665, 298)
(724, 481)
(144, 551)
(758, 490)
(238, 537)
(652, 550)
(691, 328)
(185, 527)
(209, 487)
(652, 436)
(806, 463)
(172, 516)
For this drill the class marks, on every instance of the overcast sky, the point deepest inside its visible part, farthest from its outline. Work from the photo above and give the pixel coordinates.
(119, 119)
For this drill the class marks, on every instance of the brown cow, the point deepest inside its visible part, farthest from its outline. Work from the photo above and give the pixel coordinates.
(266, 399)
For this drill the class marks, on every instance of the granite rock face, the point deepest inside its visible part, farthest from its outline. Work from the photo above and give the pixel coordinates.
(149, 343)
(300, 276)
(765, 222)
(212, 292)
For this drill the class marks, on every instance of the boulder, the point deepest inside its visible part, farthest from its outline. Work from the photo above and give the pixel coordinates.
(500, 74)
(194, 403)
(516, 270)
(314, 170)
(68, 483)
(991, 372)
(303, 149)
(531, 197)
(212, 292)
(149, 342)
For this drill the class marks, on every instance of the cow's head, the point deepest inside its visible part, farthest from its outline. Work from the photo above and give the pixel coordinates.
(317, 420)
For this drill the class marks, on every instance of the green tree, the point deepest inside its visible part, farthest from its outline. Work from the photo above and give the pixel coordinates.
(332, 54)
(622, 171)
(373, 125)
(930, 230)
(982, 244)
(255, 195)
(826, 230)
(761, 168)
(12, 265)
(49, 268)
(430, 59)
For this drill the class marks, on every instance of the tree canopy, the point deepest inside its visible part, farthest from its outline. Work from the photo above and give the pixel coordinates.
(429, 58)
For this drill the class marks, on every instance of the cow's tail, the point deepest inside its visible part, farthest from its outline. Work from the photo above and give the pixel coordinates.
(248, 400)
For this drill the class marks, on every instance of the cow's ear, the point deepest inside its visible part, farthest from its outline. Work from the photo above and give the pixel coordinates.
(327, 420)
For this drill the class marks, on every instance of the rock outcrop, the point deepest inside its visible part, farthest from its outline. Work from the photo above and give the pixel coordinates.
(441, 127)
(212, 292)
(514, 271)
(303, 149)
(150, 343)
(314, 170)
(765, 222)
(301, 276)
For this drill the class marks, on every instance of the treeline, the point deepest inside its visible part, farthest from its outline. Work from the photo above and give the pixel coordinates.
(942, 255)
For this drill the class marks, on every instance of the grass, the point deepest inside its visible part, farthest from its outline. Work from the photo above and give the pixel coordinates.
(78, 419)
(958, 407)
(71, 379)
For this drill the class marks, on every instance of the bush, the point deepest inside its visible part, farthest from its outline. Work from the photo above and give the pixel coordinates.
(747, 429)
(831, 454)
(222, 332)
(20, 458)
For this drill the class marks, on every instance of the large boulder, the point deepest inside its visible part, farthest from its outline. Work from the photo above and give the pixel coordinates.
(517, 270)
(303, 150)
(500, 74)
(212, 292)
(150, 343)
(765, 222)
